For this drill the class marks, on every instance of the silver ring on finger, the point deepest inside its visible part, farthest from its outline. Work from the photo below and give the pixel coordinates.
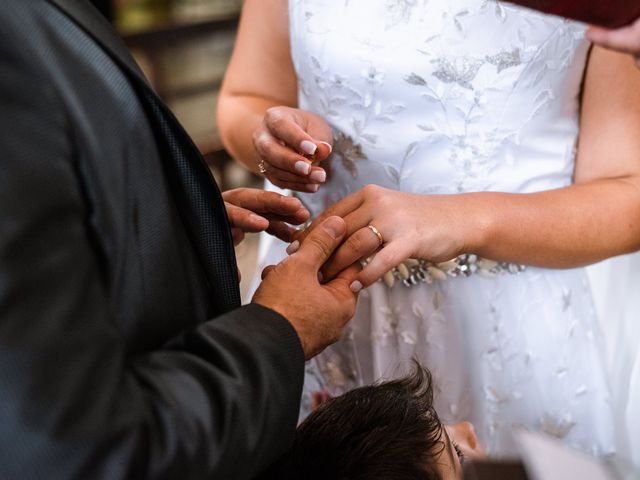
(262, 167)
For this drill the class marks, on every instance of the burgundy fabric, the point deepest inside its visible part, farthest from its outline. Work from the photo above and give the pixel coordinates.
(608, 13)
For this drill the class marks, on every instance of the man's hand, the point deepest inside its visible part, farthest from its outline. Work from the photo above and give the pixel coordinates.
(253, 210)
(626, 39)
(317, 311)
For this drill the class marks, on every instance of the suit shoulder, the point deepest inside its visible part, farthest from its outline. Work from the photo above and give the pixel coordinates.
(26, 48)
(26, 28)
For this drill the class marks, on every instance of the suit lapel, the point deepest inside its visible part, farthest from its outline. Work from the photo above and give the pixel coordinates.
(197, 196)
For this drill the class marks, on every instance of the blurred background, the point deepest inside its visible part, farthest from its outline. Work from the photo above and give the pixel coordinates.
(184, 47)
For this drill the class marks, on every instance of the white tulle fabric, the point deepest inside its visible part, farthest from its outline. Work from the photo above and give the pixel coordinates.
(449, 96)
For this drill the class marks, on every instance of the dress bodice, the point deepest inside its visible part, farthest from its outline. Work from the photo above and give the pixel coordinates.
(440, 96)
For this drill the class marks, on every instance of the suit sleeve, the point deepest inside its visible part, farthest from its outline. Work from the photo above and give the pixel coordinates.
(221, 401)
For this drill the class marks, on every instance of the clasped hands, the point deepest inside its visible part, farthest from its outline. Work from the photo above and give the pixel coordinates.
(316, 286)
(385, 225)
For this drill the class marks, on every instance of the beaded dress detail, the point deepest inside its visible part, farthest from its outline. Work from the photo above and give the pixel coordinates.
(444, 97)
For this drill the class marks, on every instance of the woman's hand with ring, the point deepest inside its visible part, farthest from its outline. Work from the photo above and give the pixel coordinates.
(396, 226)
(289, 143)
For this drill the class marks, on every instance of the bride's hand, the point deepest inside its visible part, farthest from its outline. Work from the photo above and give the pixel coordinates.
(289, 142)
(430, 227)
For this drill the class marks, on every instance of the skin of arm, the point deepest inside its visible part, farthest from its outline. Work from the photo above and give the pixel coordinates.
(260, 76)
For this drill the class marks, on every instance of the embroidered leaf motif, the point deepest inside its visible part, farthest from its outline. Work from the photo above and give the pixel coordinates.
(408, 337)
(394, 109)
(504, 60)
(461, 71)
(430, 97)
(338, 101)
(349, 152)
(437, 300)
(370, 138)
(456, 20)
(415, 79)
(411, 150)
(418, 311)
(393, 174)
(316, 63)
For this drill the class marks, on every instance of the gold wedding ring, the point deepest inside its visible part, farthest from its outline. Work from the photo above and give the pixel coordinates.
(261, 167)
(377, 233)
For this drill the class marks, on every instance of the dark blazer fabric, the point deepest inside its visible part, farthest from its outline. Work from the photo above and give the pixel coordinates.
(124, 352)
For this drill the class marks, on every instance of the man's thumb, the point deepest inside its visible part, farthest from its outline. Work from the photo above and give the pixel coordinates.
(322, 241)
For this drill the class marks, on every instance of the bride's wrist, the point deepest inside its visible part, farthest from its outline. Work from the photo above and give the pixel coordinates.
(477, 219)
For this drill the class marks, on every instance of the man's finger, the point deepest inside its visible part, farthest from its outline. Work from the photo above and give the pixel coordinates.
(281, 230)
(238, 236)
(321, 243)
(297, 218)
(261, 201)
(245, 219)
(349, 274)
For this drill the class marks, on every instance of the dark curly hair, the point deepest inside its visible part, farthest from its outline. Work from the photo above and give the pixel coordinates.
(385, 431)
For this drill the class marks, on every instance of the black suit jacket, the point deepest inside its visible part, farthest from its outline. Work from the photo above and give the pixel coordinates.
(124, 352)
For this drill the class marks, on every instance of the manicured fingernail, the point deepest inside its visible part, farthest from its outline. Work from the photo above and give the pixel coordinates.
(356, 286)
(328, 145)
(313, 187)
(302, 167)
(293, 247)
(308, 147)
(334, 226)
(319, 176)
(320, 277)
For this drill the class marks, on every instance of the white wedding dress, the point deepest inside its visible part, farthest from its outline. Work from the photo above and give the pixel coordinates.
(443, 97)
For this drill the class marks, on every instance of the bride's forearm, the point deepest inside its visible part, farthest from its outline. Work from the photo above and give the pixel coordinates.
(562, 228)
